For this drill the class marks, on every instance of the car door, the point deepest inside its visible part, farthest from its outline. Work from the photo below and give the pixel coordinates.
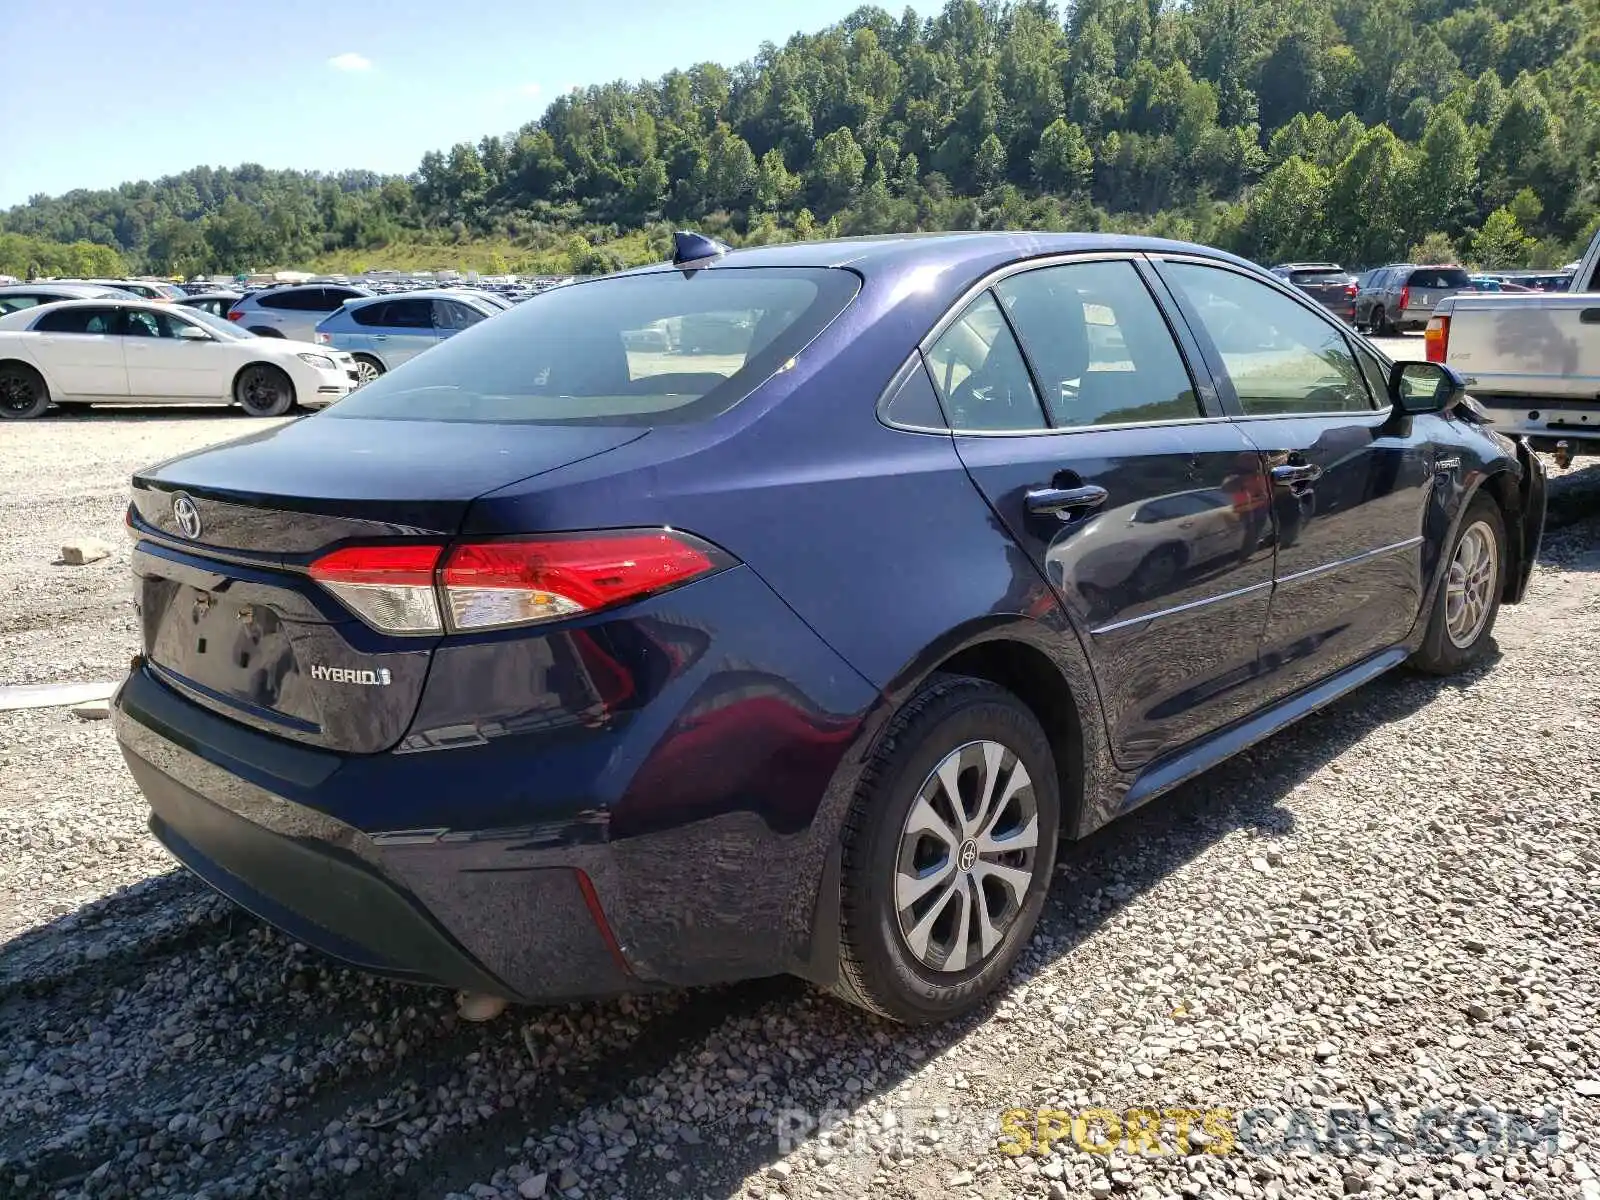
(1094, 483)
(171, 357)
(81, 350)
(406, 332)
(1350, 486)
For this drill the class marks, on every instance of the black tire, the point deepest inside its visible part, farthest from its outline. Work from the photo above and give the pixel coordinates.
(23, 392)
(368, 369)
(265, 331)
(1458, 637)
(263, 390)
(878, 969)
(1380, 323)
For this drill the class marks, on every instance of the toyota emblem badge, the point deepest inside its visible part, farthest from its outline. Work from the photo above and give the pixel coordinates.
(186, 515)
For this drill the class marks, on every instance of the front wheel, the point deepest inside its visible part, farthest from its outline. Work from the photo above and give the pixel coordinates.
(23, 393)
(948, 853)
(367, 369)
(263, 390)
(1462, 620)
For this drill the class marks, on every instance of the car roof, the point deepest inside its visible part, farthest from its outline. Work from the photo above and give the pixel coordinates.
(962, 255)
(81, 290)
(417, 294)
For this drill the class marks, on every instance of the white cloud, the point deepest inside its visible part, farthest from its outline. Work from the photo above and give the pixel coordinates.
(530, 90)
(350, 62)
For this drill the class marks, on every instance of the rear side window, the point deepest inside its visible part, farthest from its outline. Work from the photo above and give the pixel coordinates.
(980, 373)
(659, 347)
(1440, 278)
(78, 320)
(10, 304)
(278, 300)
(1312, 278)
(371, 314)
(1102, 351)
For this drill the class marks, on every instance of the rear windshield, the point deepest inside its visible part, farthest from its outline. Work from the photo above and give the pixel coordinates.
(1441, 277)
(649, 349)
(1311, 277)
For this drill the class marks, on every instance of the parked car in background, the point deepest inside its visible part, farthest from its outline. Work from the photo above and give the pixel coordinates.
(1329, 284)
(27, 295)
(1531, 360)
(492, 298)
(293, 311)
(576, 669)
(145, 289)
(1401, 296)
(382, 332)
(80, 352)
(216, 303)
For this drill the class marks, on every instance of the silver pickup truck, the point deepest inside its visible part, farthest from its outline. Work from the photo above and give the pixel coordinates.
(1531, 359)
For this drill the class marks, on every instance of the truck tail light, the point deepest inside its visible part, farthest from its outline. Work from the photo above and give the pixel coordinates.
(1436, 339)
(407, 588)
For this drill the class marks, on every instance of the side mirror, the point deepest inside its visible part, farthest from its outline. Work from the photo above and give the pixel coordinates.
(192, 333)
(1425, 387)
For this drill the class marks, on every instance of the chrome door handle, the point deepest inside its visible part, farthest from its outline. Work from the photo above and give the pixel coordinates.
(1292, 473)
(1063, 502)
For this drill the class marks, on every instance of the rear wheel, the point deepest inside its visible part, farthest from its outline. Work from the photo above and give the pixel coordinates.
(23, 393)
(948, 852)
(263, 390)
(367, 369)
(1462, 621)
(1380, 323)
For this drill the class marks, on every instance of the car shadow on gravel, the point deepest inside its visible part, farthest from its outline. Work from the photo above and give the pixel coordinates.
(131, 962)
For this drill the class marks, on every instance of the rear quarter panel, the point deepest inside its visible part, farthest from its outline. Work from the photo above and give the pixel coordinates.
(18, 346)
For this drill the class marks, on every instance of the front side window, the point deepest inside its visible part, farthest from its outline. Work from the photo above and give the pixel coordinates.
(1102, 351)
(645, 349)
(980, 374)
(448, 314)
(407, 314)
(78, 320)
(1281, 357)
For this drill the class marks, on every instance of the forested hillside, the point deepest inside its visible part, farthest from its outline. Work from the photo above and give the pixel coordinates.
(1354, 129)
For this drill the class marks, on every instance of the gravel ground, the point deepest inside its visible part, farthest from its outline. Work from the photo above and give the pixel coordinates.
(1386, 914)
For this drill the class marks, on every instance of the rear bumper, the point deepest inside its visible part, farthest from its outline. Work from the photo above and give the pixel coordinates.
(1545, 420)
(328, 885)
(632, 803)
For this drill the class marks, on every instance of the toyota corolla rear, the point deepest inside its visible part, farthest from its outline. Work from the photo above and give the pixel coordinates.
(444, 738)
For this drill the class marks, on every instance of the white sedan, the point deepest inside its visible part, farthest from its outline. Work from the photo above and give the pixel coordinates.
(81, 352)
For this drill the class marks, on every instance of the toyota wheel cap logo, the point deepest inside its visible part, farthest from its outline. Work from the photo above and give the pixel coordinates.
(186, 515)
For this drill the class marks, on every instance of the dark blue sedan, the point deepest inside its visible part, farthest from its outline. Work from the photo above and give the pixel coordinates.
(777, 610)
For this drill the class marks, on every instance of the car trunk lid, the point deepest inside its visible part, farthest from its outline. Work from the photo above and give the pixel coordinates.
(230, 615)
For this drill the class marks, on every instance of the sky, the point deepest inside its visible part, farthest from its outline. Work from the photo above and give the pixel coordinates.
(126, 91)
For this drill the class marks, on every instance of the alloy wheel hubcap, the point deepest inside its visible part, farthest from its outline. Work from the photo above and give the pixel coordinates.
(365, 372)
(15, 395)
(966, 857)
(260, 392)
(1469, 589)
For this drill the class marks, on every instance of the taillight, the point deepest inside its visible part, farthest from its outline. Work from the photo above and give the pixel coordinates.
(236, 314)
(389, 587)
(1405, 298)
(406, 587)
(1436, 339)
(1350, 290)
(323, 339)
(493, 584)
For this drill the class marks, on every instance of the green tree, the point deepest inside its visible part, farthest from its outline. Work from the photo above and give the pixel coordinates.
(1063, 162)
(1287, 215)
(1501, 242)
(1435, 248)
(838, 169)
